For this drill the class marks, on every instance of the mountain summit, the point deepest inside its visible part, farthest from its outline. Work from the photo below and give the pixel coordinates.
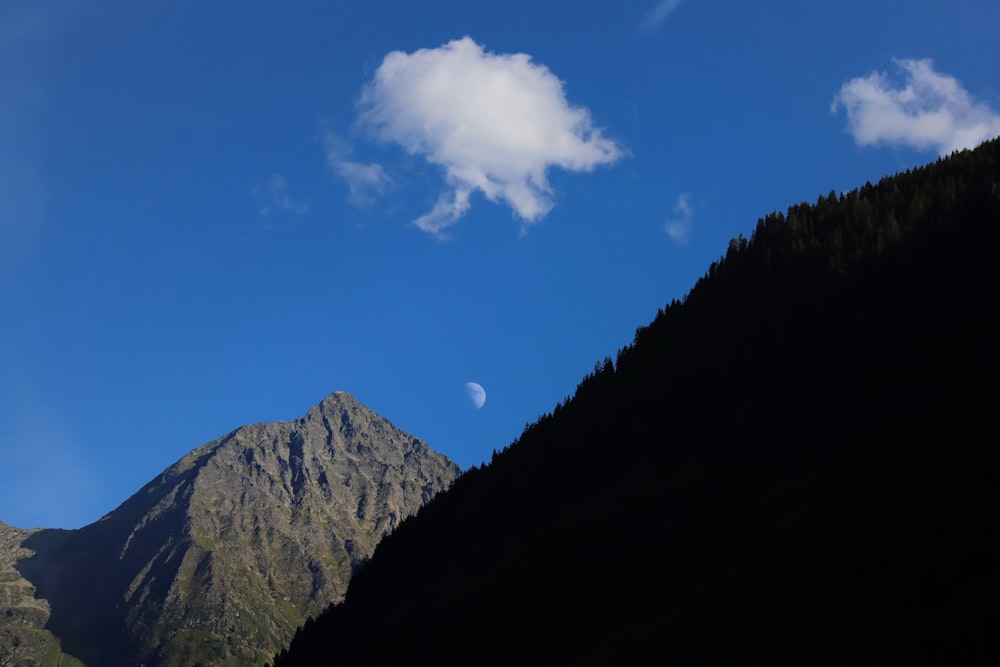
(226, 552)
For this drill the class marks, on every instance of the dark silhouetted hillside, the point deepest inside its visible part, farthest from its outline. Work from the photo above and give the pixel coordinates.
(795, 465)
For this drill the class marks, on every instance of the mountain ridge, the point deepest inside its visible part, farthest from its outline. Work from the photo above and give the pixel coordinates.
(802, 468)
(223, 554)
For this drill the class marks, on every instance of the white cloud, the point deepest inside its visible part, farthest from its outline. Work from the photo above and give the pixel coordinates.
(679, 226)
(494, 123)
(276, 198)
(930, 110)
(659, 14)
(446, 211)
(278, 189)
(364, 180)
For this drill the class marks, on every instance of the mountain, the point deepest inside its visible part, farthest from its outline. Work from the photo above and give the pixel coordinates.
(222, 556)
(794, 465)
(24, 640)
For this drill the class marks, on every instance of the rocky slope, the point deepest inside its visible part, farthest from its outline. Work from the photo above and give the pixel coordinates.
(23, 637)
(218, 559)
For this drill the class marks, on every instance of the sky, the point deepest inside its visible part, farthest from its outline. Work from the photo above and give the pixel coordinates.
(218, 213)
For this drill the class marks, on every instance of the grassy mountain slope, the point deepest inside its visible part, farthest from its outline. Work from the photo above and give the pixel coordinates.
(221, 557)
(794, 465)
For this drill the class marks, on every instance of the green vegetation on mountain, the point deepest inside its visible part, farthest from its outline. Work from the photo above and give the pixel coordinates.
(221, 557)
(796, 464)
(24, 641)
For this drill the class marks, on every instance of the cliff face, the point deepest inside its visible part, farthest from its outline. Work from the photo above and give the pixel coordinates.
(219, 558)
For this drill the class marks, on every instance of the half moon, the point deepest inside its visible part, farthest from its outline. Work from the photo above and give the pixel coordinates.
(476, 394)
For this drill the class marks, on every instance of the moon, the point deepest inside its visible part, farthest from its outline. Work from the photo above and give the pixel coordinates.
(476, 394)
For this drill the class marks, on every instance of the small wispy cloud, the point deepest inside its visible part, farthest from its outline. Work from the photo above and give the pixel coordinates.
(274, 197)
(678, 227)
(656, 16)
(448, 209)
(495, 123)
(365, 181)
(279, 195)
(929, 110)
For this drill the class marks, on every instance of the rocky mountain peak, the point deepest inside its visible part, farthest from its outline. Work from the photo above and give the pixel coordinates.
(232, 547)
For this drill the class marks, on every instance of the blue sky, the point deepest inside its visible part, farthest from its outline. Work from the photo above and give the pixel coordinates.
(214, 214)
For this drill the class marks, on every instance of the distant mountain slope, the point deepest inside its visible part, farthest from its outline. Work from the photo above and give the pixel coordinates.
(218, 559)
(795, 465)
(23, 637)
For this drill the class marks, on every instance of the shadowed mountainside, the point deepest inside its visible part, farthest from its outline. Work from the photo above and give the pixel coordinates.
(222, 556)
(795, 465)
(24, 641)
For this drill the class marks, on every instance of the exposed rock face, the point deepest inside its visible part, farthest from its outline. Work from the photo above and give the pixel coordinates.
(219, 558)
(23, 637)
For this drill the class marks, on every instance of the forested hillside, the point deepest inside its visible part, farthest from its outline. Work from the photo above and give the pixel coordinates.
(795, 464)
